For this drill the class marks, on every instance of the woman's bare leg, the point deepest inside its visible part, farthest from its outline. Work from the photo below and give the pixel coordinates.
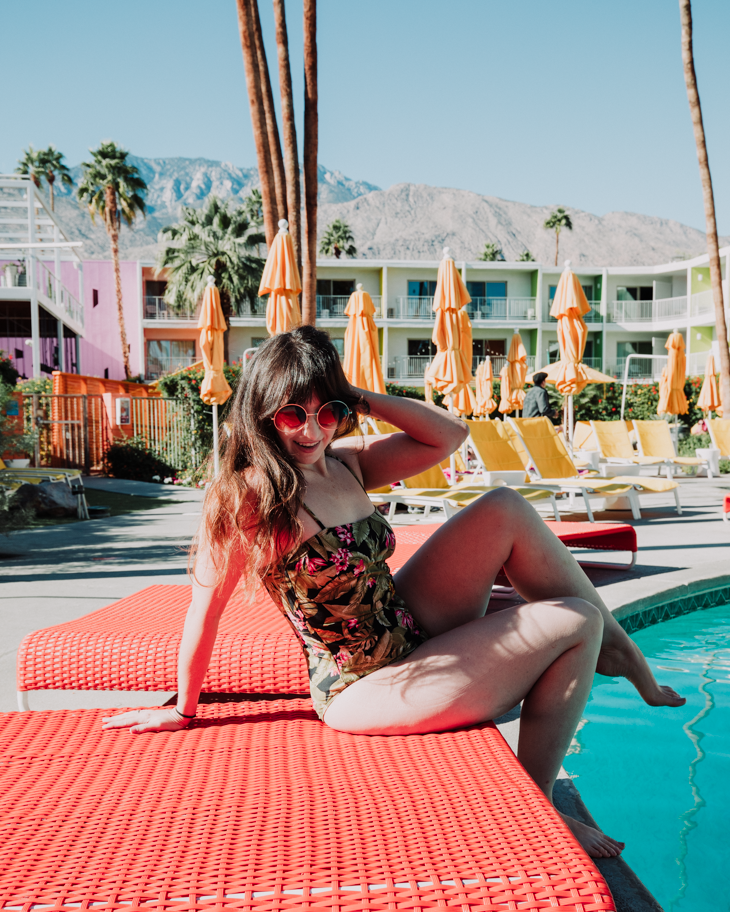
(448, 581)
(544, 652)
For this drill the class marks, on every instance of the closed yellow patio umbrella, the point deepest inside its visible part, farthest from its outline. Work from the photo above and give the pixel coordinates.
(281, 282)
(672, 400)
(568, 307)
(709, 397)
(215, 389)
(450, 370)
(362, 359)
(512, 376)
(485, 403)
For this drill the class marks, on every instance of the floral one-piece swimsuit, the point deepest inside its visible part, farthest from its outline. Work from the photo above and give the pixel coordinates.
(337, 592)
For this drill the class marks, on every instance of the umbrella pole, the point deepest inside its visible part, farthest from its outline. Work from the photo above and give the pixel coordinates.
(570, 423)
(452, 458)
(216, 457)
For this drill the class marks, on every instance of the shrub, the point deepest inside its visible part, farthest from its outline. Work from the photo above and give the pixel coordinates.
(725, 466)
(186, 385)
(8, 373)
(133, 460)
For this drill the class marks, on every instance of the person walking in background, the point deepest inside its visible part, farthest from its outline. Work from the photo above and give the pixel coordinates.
(537, 401)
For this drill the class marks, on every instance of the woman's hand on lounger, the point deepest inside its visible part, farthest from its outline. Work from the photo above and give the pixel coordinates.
(146, 720)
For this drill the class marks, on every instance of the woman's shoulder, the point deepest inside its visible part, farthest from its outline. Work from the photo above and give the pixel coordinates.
(347, 451)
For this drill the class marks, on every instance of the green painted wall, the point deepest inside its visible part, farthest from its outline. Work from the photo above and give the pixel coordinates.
(597, 287)
(702, 344)
(533, 284)
(529, 337)
(597, 344)
(703, 284)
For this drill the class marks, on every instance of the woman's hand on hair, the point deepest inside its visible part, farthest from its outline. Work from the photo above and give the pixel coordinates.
(147, 720)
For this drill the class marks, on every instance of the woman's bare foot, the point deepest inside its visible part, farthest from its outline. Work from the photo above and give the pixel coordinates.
(626, 660)
(596, 844)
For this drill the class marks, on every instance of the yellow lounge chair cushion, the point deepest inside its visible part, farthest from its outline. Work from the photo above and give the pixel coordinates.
(720, 433)
(494, 448)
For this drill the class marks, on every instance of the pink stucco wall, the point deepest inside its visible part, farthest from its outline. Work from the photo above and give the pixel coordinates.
(101, 347)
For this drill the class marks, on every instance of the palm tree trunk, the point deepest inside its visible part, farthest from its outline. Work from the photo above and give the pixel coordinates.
(309, 233)
(112, 227)
(695, 110)
(258, 117)
(557, 241)
(51, 178)
(272, 129)
(291, 152)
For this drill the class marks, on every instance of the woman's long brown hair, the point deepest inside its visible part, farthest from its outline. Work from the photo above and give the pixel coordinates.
(251, 507)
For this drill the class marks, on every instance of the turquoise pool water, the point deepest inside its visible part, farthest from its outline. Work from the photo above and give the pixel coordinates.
(660, 778)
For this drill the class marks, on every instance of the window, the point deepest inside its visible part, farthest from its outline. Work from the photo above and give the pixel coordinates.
(635, 293)
(477, 348)
(155, 289)
(588, 292)
(477, 289)
(496, 290)
(164, 355)
(624, 349)
(495, 347)
(339, 344)
(418, 289)
(335, 287)
(95, 297)
(257, 340)
(106, 373)
(551, 292)
(423, 348)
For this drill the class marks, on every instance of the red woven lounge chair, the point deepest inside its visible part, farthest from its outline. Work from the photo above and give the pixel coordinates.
(259, 807)
(133, 643)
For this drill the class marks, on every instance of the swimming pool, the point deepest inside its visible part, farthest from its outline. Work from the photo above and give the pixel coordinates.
(659, 778)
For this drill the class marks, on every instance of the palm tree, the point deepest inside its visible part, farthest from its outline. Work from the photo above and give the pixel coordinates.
(258, 115)
(216, 240)
(491, 253)
(338, 239)
(525, 257)
(311, 128)
(52, 165)
(556, 221)
(272, 130)
(30, 165)
(291, 152)
(695, 110)
(112, 188)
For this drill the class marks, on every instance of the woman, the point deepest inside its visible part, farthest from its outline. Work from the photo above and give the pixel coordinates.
(414, 653)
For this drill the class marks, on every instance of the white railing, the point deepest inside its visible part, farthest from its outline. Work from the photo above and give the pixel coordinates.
(640, 368)
(696, 363)
(593, 315)
(661, 309)
(413, 367)
(670, 308)
(333, 306)
(53, 289)
(156, 308)
(703, 303)
(502, 309)
(409, 307)
(156, 367)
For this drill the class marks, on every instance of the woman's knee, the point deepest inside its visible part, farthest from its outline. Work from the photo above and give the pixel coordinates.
(502, 501)
(587, 617)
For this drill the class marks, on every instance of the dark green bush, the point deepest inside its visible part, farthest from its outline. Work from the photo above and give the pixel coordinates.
(131, 459)
(8, 373)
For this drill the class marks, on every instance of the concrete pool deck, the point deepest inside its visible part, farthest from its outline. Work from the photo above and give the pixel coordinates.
(59, 573)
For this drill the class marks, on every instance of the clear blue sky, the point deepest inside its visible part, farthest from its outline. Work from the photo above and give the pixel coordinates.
(573, 102)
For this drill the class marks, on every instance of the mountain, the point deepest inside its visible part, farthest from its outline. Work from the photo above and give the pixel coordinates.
(407, 221)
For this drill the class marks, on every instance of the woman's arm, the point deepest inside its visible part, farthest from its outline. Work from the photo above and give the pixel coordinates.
(429, 435)
(196, 648)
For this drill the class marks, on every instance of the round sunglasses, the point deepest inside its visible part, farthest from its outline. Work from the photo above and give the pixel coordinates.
(292, 418)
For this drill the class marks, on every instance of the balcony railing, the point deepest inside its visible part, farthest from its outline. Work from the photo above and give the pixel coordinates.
(661, 309)
(47, 284)
(703, 303)
(409, 307)
(156, 308)
(593, 315)
(413, 367)
(333, 306)
(639, 368)
(502, 309)
(157, 367)
(696, 363)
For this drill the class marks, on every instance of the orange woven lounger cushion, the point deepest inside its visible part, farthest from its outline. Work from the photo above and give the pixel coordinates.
(133, 643)
(260, 807)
